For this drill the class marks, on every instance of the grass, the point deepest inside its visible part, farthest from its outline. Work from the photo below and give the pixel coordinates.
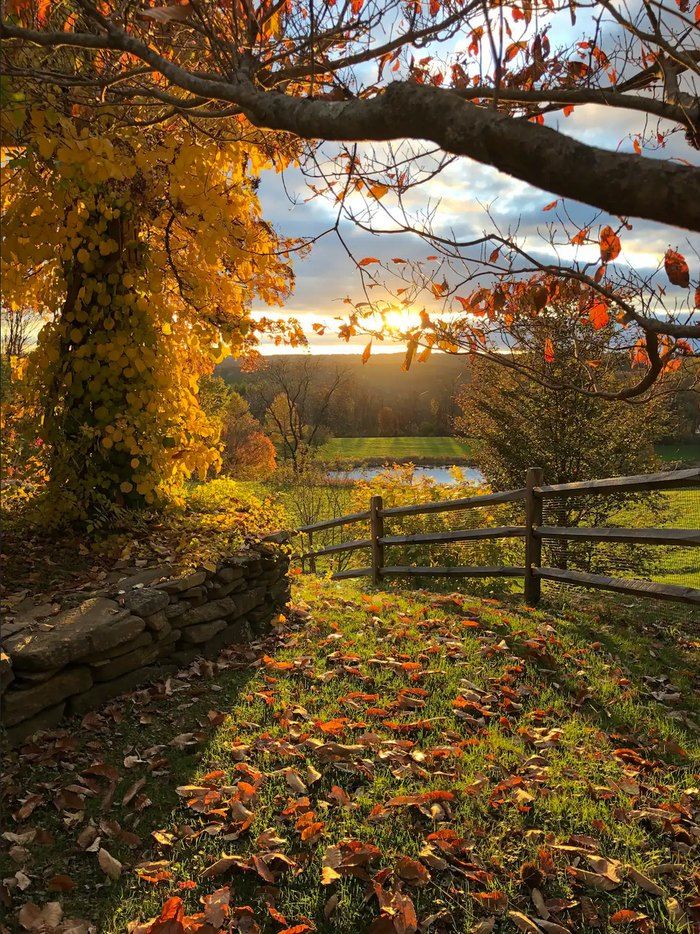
(445, 450)
(378, 450)
(688, 454)
(566, 732)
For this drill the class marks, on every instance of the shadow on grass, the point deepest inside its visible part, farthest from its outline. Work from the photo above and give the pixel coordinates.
(143, 724)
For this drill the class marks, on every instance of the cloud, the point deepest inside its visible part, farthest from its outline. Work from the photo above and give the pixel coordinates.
(458, 196)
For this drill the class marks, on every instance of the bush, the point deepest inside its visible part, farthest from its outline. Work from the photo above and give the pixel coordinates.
(397, 486)
(246, 451)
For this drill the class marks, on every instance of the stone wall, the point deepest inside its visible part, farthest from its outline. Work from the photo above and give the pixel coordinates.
(139, 629)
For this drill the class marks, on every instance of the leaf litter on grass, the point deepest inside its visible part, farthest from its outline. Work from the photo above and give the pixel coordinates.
(385, 763)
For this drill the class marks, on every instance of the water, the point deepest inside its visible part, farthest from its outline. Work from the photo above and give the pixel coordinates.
(439, 474)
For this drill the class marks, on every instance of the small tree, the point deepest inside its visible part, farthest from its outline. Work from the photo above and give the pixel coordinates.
(18, 330)
(246, 451)
(297, 402)
(387, 422)
(520, 420)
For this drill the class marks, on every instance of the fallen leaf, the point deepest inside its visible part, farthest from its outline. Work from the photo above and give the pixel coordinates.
(108, 864)
(33, 918)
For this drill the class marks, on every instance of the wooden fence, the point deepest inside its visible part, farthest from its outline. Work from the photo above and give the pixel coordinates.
(533, 496)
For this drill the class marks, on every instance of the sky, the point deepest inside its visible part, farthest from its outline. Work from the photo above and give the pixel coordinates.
(327, 275)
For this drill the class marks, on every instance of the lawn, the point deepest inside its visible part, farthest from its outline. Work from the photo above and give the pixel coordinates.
(445, 450)
(688, 454)
(439, 450)
(384, 761)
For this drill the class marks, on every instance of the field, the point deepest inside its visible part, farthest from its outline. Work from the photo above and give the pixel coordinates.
(438, 450)
(446, 450)
(457, 764)
(683, 453)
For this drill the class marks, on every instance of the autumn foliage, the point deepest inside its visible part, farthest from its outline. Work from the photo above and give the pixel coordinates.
(143, 255)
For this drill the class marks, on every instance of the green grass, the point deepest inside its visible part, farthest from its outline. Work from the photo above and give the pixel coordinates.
(679, 453)
(449, 450)
(358, 450)
(532, 765)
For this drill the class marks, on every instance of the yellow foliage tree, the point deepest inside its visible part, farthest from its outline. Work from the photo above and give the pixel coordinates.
(143, 249)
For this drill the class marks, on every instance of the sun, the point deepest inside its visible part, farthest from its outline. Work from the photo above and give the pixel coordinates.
(401, 319)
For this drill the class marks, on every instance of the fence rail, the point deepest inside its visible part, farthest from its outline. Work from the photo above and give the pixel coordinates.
(533, 496)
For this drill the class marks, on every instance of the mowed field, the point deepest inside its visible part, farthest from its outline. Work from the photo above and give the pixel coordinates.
(398, 449)
(444, 450)
(685, 453)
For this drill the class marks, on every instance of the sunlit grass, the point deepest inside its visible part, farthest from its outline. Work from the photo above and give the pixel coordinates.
(590, 686)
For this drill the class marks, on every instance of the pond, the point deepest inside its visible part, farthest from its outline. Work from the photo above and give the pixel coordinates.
(439, 474)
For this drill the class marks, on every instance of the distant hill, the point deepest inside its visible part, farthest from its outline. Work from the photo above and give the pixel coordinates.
(420, 400)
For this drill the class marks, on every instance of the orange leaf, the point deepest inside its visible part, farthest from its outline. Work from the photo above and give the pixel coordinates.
(677, 269)
(609, 245)
(552, 204)
(426, 798)
(549, 350)
(598, 315)
(410, 352)
(171, 918)
(513, 50)
(368, 260)
(628, 916)
(378, 191)
(366, 352)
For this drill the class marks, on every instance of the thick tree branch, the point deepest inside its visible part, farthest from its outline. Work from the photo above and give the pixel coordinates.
(620, 183)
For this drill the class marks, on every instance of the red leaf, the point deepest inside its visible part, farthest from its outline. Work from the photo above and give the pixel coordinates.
(609, 245)
(677, 269)
(549, 350)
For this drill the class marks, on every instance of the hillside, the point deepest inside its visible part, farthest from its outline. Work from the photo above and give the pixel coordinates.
(420, 400)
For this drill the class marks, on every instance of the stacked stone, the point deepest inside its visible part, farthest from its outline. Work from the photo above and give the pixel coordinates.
(147, 626)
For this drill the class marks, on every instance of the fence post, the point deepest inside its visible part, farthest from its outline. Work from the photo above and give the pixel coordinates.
(376, 531)
(533, 544)
(312, 560)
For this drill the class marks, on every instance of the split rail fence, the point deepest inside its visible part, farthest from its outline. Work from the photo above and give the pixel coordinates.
(533, 496)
